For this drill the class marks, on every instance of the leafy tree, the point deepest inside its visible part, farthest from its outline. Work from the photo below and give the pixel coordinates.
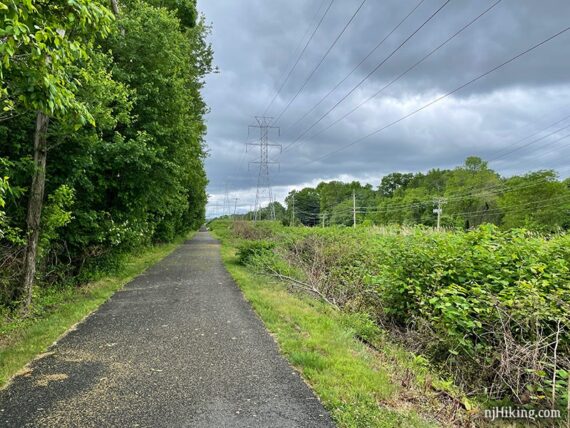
(266, 212)
(536, 201)
(42, 40)
(185, 10)
(163, 63)
(472, 194)
(333, 193)
(126, 130)
(342, 213)
(393, 182)
(306, 205)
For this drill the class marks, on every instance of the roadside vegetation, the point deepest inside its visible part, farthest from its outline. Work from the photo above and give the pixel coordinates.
(487, 309)
(359, 385)
(101, 139)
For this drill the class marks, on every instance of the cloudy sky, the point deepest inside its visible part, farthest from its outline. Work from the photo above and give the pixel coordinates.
(517, 116)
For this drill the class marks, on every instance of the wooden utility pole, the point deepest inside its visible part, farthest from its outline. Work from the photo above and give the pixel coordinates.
(293, 216)
(353, 208)
(439, 211)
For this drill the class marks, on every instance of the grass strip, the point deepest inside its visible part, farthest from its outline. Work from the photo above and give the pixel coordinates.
(353, 384)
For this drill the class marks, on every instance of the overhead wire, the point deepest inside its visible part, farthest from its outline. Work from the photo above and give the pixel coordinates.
(442, 97)
(397, 78)
(340, 82)
(314, 70)
(378, 66)
(473, 191)
(531, 142)
(300, 54)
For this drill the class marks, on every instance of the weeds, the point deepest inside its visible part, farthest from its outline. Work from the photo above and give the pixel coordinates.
(490, 307)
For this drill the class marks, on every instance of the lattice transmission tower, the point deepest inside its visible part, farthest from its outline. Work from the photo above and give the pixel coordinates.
(263, 182)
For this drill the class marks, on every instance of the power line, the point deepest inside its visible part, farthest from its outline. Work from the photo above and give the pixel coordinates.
(312, 73)
(552, 201)
(446, 95)
(371, 73)
(510, 208)
(300, 54)
(542, 155)
(533, 141)
(397, 78)
(467, 191)
(474, 188)
(357, 66)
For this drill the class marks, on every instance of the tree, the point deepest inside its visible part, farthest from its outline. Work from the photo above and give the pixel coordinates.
(393, 182)
(163, 62)
(42, 40)
(472, 193)
(185, 10)
(266, 212)
(125, 136)
(307, 205)
(333, 193)
(342, 213)
(537, 201)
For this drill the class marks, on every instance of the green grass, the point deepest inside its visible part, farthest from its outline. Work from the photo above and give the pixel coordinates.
(359, 387)
(24, 339)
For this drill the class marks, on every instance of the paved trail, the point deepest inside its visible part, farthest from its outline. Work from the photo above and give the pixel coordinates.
(177, 347)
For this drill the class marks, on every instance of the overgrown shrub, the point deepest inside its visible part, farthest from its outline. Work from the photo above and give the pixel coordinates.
(491, 307)
(250, 249)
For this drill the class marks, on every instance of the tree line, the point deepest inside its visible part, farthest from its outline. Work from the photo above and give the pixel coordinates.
(101, 134)
(469, 195)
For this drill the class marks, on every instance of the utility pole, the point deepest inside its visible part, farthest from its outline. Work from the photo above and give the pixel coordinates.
(293, 217)
(235, 205)
(263, 183)
(353, 208)
(439, 211)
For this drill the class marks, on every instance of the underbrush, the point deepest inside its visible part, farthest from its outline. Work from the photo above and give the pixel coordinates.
(489, 307)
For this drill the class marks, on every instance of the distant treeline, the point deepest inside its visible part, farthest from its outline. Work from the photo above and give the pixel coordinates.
(101, 134)
(469, 195)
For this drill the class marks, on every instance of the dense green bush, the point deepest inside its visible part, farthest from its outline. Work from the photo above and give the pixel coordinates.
(131, 173)
(250, 249)
(492, 307)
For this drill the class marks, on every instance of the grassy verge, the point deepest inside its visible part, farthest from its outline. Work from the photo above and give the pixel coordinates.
(22, 340)
(360, 386)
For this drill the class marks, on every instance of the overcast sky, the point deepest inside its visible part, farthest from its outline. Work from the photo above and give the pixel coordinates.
(256, 43)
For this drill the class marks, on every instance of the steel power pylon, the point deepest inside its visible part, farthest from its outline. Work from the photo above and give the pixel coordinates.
(263, 183)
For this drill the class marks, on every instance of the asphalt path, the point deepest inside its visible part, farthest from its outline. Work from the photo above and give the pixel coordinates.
(177, 347)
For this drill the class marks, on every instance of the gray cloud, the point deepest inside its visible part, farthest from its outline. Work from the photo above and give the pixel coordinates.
(254, 43)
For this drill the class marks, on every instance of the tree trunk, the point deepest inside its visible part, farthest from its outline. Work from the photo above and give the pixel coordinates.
(115, 7)
(35, 208)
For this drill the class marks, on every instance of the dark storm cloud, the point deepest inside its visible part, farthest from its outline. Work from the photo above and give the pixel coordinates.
(255, 42)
